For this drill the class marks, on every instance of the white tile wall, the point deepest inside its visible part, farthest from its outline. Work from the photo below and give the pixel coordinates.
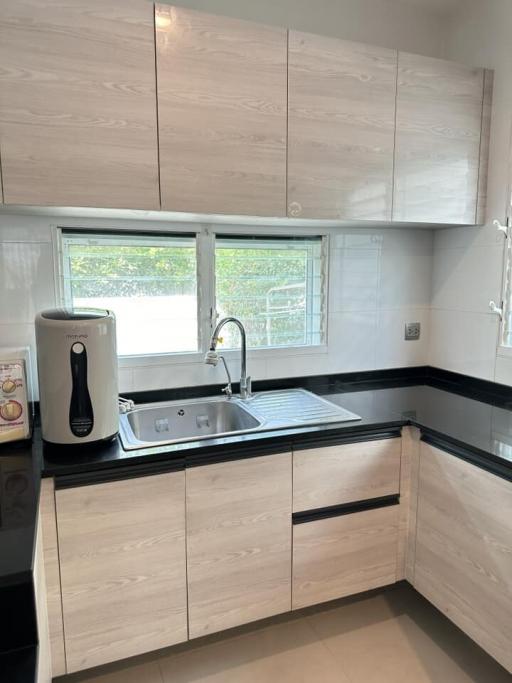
(467, 274)
(379, 279)
(464, 341)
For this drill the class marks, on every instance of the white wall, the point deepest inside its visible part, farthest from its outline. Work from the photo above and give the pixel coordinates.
(468, 261)
(379, 280)
(410, 25)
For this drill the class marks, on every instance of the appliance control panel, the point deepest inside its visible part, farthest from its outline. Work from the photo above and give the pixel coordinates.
(14, 412)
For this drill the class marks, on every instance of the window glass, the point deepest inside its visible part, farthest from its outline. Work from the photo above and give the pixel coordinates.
(275, 286)
(149, 282)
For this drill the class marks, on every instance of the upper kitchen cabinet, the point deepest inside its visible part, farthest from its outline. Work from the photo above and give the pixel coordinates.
(222, 114)
(441, 140)
(78, 103)
(341, 128)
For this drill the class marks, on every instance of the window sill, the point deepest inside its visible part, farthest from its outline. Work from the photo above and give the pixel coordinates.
(198, 357)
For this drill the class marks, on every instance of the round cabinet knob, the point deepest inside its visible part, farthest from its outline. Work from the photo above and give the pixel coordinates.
(8, 386)
(11, 411)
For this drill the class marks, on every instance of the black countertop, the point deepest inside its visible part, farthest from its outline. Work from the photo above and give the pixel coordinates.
(470, 418)
(482, 430)
(20, 475)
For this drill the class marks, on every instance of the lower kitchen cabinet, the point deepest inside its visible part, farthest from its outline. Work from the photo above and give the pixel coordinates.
(238, 542)
(345, 473)
(43, 671)
(463, 561)
(123, 568)
(343, 555)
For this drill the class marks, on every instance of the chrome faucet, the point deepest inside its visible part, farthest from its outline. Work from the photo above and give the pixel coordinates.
(212, 357)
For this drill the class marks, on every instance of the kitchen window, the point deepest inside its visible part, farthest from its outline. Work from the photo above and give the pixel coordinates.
(168, 290)
(275, 286)
(150, 282)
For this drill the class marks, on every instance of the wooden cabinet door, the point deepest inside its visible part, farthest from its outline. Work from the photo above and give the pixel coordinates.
(438, 130)
(464, 548)
(44, 665)
(344, 555)
(122, 560)
(336, 475)
(341, 127)
(78, 103)
(238, 542)
(221, 114)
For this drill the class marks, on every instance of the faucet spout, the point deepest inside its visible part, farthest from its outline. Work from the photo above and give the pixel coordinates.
(245, 382)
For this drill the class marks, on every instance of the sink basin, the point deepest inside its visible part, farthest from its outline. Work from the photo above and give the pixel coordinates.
(184, 421)
(156, 424)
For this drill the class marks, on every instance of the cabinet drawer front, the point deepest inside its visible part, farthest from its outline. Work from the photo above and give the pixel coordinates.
(238, 542)
(344, 555)
(343, 474)
(122, 554)
(464, 548)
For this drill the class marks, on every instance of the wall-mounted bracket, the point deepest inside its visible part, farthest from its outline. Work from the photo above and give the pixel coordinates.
(496, 309)
(500, 227)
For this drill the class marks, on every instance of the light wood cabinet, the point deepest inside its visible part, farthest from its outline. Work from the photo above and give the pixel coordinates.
(221, 113)
(344, 555)
(43, 672)
(52, 576)
(463, 561)
(78, 121)
(439, 128)
(335, 475)
(238, 542)
(341, 127)
(122, 562)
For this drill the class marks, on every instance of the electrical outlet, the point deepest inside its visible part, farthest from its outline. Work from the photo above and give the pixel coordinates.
(412, 331)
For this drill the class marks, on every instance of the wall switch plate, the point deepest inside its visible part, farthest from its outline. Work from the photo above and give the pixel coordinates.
(412, 331)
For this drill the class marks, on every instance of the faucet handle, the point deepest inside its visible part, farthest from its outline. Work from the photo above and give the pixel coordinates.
(228, 390)
(245, 388)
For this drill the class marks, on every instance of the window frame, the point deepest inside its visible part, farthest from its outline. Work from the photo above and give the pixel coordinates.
(506, 289)
(205, 234)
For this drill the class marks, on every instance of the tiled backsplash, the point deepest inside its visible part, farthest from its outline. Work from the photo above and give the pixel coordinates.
(379, 280)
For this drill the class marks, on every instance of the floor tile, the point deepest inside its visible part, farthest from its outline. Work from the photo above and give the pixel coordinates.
(127, 671)
(396, 635)
(286, 652)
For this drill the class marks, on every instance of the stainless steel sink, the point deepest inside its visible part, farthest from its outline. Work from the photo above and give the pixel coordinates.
(156, 424)
(184, 421)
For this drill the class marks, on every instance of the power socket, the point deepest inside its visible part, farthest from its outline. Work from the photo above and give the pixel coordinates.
(412, 331)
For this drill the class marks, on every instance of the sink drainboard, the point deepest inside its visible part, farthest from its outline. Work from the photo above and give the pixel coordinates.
(298, 406)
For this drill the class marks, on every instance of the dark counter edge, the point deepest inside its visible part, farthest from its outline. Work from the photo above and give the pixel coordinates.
(85, 470)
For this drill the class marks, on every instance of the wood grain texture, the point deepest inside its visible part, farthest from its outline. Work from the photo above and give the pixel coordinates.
(409, 473)
(52, 576)
(122, 554)
(44, 666)
(238, 542)
(78, 103)
(464, 548)
(437, 151)
(341, 125)
(222, 114)
(344, 555)
(334, 475)
(485, 139)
